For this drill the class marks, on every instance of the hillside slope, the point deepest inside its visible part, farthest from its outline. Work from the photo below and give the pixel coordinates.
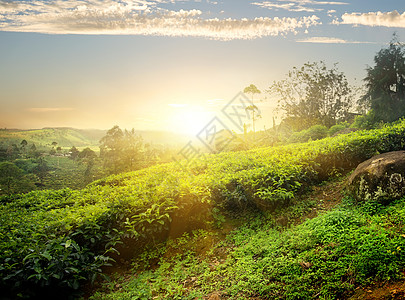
(68, 137)
(336, 249)
(44, 233)
(64, 137)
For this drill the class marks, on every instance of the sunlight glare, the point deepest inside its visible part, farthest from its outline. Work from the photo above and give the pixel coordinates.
(190, 120)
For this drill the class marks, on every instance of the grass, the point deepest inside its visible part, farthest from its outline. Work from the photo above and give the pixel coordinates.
(326, 257)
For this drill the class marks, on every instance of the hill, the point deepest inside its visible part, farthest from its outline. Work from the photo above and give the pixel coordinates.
(62, 239)
(65, 137)
(68, 137)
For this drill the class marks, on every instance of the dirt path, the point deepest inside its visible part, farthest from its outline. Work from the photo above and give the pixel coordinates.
(327, 196)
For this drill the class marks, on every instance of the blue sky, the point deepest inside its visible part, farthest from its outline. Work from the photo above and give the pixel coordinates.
(168, 64)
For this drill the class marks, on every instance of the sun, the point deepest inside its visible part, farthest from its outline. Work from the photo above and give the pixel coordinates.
(189, 120)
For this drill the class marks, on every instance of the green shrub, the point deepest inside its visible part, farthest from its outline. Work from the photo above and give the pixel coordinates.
(315, 132)
(138, 208)
(338, 127)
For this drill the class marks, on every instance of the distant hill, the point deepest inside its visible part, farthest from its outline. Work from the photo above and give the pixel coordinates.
(65, 137)
(68, 137)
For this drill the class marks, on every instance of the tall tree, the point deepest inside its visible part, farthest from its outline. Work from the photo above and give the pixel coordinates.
(252, 90)
(88, 156)
(121, 150)
(74, 152)
(314, 94)
(24, 144)
(133, 150)
(385, 83)
(111, 149)
(41, 170)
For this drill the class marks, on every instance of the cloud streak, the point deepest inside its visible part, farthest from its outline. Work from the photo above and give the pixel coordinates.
(296, 5)
(329, 40)
(137, 18)
(387, 19)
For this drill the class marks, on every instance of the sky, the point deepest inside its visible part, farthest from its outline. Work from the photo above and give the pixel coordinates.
(169, 64)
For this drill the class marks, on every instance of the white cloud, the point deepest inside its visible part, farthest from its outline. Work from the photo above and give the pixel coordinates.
(316, 2)
(287, 6)
(296, 5)
(329, 40)
(387, 19)
(136, 17)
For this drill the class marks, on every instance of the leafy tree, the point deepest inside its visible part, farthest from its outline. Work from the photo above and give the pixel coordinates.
(385, 83)
(133, 150)
(111, 149)
(34, 152)
(314, 94)
(41, 170)
(87, 153)
(252, 90)
(121, 150)
(24, 144)
(88, 157)
(74, 152)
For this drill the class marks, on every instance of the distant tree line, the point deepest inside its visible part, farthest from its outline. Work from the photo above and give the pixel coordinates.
(23, 167)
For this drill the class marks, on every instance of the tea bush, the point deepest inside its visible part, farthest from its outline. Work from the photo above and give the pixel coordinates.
(125, 212)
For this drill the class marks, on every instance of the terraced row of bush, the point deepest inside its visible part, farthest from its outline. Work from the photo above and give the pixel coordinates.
(63, 238)
(331, 256)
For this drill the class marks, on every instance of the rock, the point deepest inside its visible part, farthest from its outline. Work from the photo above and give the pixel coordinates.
(381, 178)
(214, 296)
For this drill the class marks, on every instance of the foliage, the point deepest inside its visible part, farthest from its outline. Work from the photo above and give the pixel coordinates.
(313, 133)
(41, 170)
(74, 152)
(338, 127)
(253, 109)
(386, 83)
(326, 257)
(121, 150)
(128, 211)
(367, 121)
(314, 94)
(12, 179)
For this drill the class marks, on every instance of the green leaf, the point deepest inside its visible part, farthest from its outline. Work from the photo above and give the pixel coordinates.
(47, 255)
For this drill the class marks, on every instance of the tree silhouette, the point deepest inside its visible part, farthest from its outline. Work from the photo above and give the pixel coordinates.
(385, 83)
(111, 148)
(41, 170)
(252, 90)
(314, 94)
